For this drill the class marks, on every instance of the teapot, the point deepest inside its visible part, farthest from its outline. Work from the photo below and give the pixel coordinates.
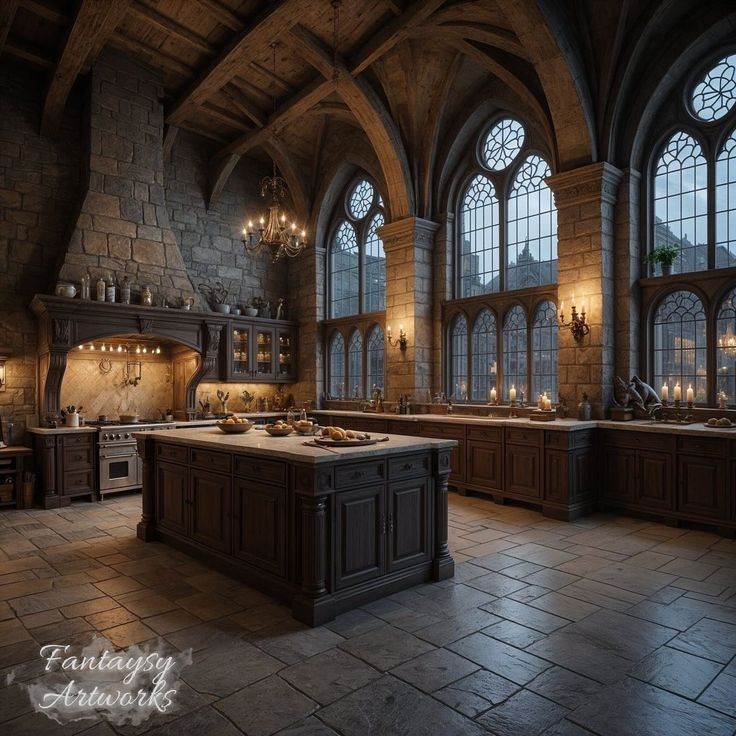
(67, 290)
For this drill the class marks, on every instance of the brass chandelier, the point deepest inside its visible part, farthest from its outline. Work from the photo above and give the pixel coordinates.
(727, 343)
(273, 233)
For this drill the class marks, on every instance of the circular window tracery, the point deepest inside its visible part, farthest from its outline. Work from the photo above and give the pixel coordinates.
(361, 199)
(502, 144)
(715, 94)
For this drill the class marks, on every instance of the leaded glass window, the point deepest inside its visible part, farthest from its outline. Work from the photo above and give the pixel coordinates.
(681, 202)
(531, 228)
(715, 94)
(374, 358)
(679, 344)
(361, 199)
(374, 293)
(336, 368)
(459, 358)
(344, 271)
(726, 204)
(514, 351)
(726, 347)
(355, 365)
(502, 144)
(544, 351)
(484, 367)
(479, 238)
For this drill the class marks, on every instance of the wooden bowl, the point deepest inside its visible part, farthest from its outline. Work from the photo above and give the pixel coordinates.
(238, 428)
(278, 431)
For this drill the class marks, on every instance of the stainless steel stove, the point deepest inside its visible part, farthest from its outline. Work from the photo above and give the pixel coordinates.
(120, 468)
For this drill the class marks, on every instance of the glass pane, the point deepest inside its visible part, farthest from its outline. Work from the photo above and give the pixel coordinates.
(375, 377)
(119, 469)
(681, 202)
(484, 367)
(459, 359)
(241, 352)
(715, 94)
(361, 199)
(679, 344)
(532, 228)
(479, 238)
(514, 352)
(336, 367)
(544, 352)
(726, 204)
(374, 288)
(726, 354)
(502, 144)
(355, 365)
(344, 271)
(285, 359)
(264, 352)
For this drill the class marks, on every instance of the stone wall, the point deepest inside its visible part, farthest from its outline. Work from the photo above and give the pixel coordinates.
(39, 192)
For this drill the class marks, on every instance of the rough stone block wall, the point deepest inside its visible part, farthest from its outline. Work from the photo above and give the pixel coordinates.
(39, 191)
(123, 225)
(210, 240)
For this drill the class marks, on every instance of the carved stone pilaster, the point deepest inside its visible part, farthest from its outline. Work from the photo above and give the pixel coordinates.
(443, 566)
(146, 529)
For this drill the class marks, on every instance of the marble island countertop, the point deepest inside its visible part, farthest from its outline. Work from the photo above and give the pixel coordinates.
(292, 447)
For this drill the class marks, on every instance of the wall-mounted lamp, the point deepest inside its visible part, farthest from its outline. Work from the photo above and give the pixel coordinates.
(577, 324)
(401, 342)
(4, 357)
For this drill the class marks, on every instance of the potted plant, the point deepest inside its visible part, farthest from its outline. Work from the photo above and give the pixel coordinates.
(664, 255)
(216, 296)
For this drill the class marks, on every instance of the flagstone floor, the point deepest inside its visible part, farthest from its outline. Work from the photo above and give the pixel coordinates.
(609, 625)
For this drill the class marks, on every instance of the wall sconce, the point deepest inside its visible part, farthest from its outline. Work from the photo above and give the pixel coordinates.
(577, 324)
(401, 342)
(4, 357)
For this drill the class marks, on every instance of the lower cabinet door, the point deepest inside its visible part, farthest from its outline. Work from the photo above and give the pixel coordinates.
(485, 465)
(171, 497)
(360, 542)
(654, 481)
(211, 498)
(703, 487)
(619, 474)
(557, 480)
(259, 525)
(409, 533)
(523, 471)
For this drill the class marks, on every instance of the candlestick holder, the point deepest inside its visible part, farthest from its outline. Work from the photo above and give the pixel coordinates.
(689, 404)
(677, 404)
(665, 403)
(512, 402)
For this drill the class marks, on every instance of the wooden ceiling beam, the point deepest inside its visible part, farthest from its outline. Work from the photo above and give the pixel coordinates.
(171, 27)
(242, 103)
(153, 56)
(279, 16)
(8, 9)
(215, 111)
(224, 15)
(42, 10)
(92, 27)
(264, 71)
(22, 51)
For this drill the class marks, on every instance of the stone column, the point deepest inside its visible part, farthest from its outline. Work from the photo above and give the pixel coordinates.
(408, 244)
(585, 199)
(444, 251)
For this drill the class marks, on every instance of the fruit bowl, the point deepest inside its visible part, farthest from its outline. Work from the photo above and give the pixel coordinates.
(235, 427)
(306, 429)
(275, 431)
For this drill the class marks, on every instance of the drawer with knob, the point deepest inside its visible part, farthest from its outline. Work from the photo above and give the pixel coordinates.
(209, 459)
(78, 482)
(78, 439)
(78, 458)
(172, 453)
(359, 474)
(266, 471)
(408, 467)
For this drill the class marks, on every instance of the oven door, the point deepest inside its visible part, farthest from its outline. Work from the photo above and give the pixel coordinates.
(119, 468)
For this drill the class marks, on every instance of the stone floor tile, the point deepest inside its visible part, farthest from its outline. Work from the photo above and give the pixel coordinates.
(631, 578)
(108, 619)
(523, 714)
(601, 594)
(528, 594)
(208, 606)
(650, 560)
(513, 664)
(496, 584)
(401, 616)
(632, 706)
(386, 648)
(708, 638)
(564, 687)
(390, 706)
(457, 627)
(266, 707)
(514, 634)
(354, 623)
(476, 693)
(564, 606)
(680, 614)
(551, 578)
(680, 673)
(329, 676)
(540, 555)
(721, 694)
(497, 561)
(205, 720)
(294, 641)
(433, 670)
(566, 728)
(166, 623)
(534, 618)
(12, 632)
(130, 633)
(308, 727)
(452, 600)
(521, 570)
(86, 608)
(119, 585)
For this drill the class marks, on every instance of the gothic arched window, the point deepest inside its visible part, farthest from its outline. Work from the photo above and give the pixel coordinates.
(344, 271)
(484, 366)
(336, 366)
(515, 351)
(726, 344)
(459, 358)
(355, 366)
(375, 375)
(679, 344)
(544, 351)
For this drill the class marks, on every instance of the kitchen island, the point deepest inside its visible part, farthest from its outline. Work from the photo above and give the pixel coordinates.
(323, 530)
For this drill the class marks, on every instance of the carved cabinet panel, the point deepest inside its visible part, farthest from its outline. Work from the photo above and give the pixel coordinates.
(408, 530)
(172, 495)
(210, 501)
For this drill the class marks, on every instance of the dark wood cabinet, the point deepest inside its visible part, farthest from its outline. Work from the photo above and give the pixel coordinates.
(619, 474)
(523, 471)
(77, 462)
(449, 431)
(259, 525)
(172, 495)
(654, 487)
(259, 350)
(703, 487)
(360, 541)
(484, 468)
(408, 530)
(210, 497)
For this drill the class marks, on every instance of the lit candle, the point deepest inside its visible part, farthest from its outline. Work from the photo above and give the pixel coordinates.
(547, 404)
(493, 394)
(678, 392)
(512, 393)
(665, 392)
(690, 393)
(244, 231)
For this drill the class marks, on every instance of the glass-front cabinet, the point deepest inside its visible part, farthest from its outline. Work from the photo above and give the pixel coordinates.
(260, 352)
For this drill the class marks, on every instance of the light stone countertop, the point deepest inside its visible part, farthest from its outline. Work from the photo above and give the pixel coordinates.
(248, 415)
(292, 448)
(60, 430)
(688, 430)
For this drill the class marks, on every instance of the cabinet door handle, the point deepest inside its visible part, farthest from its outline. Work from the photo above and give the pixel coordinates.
(409, 466)
(382, 525)
(390, 524)
(358, 474)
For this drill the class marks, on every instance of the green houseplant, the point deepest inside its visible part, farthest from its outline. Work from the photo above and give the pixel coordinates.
(665, 255)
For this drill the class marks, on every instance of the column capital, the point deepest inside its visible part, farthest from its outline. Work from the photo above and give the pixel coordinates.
(591, 183)
(416, 230)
